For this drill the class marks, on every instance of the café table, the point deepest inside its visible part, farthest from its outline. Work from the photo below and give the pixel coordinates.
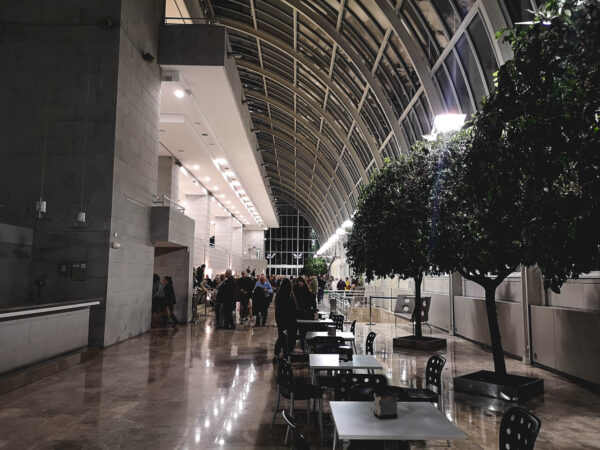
(346, 335)
(416, 421)
(318, 362)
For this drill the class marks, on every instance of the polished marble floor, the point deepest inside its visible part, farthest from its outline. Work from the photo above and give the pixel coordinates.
(204, 388)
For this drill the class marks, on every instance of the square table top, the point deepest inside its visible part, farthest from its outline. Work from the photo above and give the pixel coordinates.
(346, 335)
(416, 421)
(331, 362)
(315, 321)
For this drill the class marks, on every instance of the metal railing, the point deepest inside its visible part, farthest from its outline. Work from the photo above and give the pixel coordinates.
(163, 200)
(340, 301)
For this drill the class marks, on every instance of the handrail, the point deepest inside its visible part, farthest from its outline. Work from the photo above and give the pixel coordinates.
(165, 200)
(23, 311)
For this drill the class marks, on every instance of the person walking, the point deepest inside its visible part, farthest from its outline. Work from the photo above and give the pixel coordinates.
(245, 284)
(261, 302)
(226, 296)
(285, 316)
(158, 300)
(170, 299)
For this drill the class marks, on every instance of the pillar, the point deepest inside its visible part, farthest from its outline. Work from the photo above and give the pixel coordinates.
(168, 178)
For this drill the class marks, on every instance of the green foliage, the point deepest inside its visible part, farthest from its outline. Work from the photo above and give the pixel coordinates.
(536, 147)
(315, 266)
(391, 230)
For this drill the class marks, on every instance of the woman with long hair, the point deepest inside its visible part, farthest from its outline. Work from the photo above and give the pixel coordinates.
(285, 316)
(304, 299)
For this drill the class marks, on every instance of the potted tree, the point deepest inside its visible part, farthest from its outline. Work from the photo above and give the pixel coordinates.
(315, 266)
(521, 187)
(391, 232)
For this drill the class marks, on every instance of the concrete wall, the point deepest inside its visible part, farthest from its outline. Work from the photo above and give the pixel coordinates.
(129, 286)
(224, 232)
(32, 339)
(252, 241)
(15, 259)
(168, 178)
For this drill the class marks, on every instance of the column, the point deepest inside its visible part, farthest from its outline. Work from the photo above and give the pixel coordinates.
(198, 208)
(168, 178)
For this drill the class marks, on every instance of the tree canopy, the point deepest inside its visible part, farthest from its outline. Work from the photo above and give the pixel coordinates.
(315, 266)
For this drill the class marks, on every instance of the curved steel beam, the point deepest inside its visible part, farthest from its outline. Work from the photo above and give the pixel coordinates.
(319, 228)
(302, 204)
(327, 225)
(356, 59)
(311, 67)
(310, 126)
(300, 178)
(339, 188)
(418, 60)
(306, 145)
(346, 103)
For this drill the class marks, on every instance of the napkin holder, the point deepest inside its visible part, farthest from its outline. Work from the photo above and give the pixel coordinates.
(331, 330)
(385, 406)
(345, 352)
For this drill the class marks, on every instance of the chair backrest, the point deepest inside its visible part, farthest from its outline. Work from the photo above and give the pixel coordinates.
(353, 327)
(298, 440)
(518, 430)
(425, 305)
(338, 321)
(327, 342)
(327, 348)
(433, 372)
(344, 383)
(369, 343)
(285, 375)
(404, 305)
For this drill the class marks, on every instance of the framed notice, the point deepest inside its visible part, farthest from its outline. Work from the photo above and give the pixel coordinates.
(78, 271)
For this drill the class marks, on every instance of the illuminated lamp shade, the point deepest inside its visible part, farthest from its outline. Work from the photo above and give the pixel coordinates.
(347, 224)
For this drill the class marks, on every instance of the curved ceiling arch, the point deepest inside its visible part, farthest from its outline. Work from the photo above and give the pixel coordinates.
(317, 167)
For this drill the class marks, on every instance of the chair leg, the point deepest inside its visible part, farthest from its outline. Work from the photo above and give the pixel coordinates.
(276, 408)
(308, 416)
(321, 417)
(287, 431)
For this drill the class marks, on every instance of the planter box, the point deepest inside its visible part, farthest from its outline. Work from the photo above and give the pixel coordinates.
(419, 343)
(514, 388)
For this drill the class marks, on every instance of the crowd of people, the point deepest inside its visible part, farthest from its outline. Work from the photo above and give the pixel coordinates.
(250, 296)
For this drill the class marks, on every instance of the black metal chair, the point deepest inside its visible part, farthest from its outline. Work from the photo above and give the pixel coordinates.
(338, 321)
(345, 382)
(298, 440)
(433, 378)
(326, 341)
(369, 350)
(518, 430)
(292, 391)
(366, 393)
(353, 331)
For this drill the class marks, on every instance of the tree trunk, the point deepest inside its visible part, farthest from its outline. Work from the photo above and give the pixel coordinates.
(417, 310)
(496, 340)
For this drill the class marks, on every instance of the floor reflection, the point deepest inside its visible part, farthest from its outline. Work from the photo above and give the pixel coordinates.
(205, 388)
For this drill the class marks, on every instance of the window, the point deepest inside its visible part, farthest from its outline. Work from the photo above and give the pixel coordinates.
(483, 48)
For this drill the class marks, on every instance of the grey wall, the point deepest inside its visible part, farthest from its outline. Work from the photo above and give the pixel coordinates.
(15, 259)
(31, 339)
(120, 160)
(135, 169)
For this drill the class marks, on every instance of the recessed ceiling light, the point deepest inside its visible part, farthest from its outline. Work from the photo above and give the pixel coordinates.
(206, 178)
(196, 166)
(222, 195)
(215, 188)
(229, 203)
(179, 93)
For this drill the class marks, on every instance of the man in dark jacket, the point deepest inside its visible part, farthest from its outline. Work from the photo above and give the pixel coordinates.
(227, 297)
(245, 283)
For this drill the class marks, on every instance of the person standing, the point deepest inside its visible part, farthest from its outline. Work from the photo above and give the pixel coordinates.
(245, 284)
(158, 300)
(313, 287)
(170, 299)
(341, 285)
(285, 316)
(200, 274)
(261, 303)
(303, 299)
(227, 297)
(322, 281)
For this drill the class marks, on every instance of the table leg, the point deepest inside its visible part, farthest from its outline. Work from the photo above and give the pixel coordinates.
(313, 378)
(334, 439)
